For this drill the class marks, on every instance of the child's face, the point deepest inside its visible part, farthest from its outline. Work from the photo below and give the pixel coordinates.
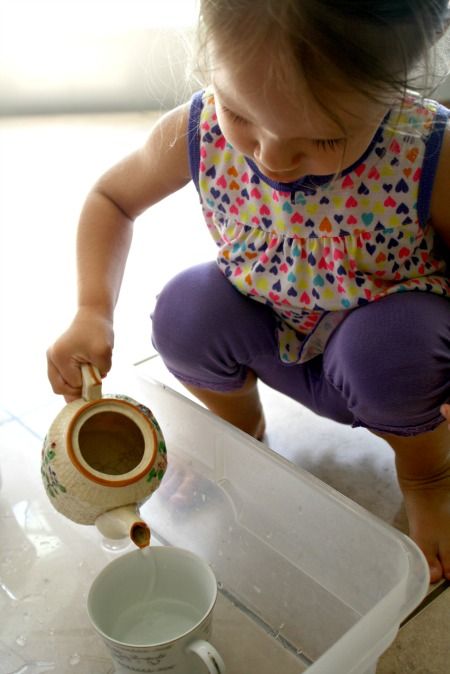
(290, 136)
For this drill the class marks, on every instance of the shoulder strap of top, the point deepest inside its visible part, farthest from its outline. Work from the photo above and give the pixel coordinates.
(433, 144)
(194, 135)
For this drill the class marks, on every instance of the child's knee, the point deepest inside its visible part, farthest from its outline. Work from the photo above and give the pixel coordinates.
(394, 374)
(182, 312)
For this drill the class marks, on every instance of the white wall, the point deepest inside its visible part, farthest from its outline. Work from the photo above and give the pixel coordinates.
(88, 55)
(443, 91)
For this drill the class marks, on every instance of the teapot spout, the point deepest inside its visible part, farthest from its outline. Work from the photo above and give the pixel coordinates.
(122, 522)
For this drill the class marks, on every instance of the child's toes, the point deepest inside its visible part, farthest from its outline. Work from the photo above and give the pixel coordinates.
(445, 411)
(435, 567)
(430, 551)
(435, 570)
(445, 559)
(439, 563)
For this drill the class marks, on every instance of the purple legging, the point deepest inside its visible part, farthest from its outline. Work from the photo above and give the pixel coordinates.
(386, 367)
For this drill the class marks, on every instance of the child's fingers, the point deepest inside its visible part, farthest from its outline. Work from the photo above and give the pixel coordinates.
(60, 385)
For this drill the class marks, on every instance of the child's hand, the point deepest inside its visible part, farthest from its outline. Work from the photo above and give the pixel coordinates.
(445, 411)
(89, 339)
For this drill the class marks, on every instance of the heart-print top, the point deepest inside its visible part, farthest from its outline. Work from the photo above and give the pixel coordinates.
(319, 247)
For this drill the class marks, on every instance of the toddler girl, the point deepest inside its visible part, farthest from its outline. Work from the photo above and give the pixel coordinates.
(324, 182)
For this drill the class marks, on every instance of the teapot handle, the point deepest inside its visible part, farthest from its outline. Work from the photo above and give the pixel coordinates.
(92, 382)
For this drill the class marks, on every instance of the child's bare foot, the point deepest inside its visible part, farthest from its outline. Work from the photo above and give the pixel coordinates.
(423, 471)
(427, 505)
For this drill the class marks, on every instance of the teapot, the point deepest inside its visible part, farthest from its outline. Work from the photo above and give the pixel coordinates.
(102, 457)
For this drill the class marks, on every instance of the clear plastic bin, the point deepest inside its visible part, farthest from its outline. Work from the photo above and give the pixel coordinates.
(308, 579)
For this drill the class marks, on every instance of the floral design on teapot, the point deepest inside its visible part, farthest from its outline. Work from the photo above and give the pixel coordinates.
(49, 477)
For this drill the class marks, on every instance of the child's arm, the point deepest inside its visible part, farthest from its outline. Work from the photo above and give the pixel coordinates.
(105, 230)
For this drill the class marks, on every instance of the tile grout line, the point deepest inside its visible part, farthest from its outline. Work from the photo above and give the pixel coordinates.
(145, 360)
(13, 417)
(30, 430)
(431, 596)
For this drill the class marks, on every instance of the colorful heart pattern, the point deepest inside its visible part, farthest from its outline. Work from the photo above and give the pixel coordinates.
(313, 250)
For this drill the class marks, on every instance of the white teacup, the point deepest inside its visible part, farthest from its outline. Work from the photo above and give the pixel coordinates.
(153, 608)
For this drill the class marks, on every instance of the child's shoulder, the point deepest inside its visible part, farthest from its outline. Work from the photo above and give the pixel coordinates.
(155, 170)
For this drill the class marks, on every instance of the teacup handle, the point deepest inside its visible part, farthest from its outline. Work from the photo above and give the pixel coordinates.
(208, 654)
(92, 382)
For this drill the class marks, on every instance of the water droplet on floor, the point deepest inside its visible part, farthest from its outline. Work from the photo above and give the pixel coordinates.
(113, 545)
(74, 659)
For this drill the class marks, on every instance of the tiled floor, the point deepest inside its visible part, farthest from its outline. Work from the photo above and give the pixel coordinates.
(46, 167)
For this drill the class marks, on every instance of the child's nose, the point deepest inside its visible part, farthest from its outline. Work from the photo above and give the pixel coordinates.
(277, 155)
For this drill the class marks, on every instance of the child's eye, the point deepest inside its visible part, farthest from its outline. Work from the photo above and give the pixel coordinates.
(233, 116)
(328, 143)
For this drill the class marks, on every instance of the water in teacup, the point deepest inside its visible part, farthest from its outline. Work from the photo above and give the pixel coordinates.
(155, 622)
